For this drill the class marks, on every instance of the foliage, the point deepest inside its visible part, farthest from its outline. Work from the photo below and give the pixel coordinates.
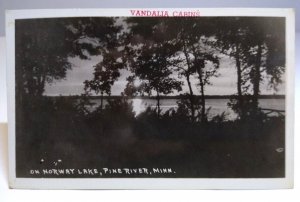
(105, 74)
(257, 45)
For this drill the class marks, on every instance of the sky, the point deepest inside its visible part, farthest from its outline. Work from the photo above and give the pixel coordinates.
(224, 84)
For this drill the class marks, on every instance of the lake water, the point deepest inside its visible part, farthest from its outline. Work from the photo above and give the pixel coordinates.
(217, 106)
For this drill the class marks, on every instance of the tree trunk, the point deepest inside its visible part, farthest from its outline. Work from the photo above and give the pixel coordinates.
(257, 77)
(191, 98)
(203, 114)
(101, 101)
(239, 82)
(158, 104)
(39, 85)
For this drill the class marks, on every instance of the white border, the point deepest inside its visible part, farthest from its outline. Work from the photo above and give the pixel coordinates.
(152, 183)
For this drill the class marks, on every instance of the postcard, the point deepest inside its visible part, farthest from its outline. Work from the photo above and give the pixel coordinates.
(141, 98)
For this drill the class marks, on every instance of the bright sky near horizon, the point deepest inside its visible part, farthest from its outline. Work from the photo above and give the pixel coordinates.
(224, 84)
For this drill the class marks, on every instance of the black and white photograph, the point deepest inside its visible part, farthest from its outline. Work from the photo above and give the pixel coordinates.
(151, 97)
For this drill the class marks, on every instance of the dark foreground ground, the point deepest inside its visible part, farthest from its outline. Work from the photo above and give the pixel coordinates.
(59, 139)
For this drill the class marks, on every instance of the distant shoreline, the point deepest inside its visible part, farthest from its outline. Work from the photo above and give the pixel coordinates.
(170, 97)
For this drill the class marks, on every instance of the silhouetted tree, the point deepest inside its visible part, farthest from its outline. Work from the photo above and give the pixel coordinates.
(153, 69)
(150, 52)
(267, 53)
(206, 65)
(105, 74)
(192, 35)
(183, 63)
(43, 50)
(257, 45)
(43, 47)
(105, 37)
(41, 54)
(132, 89)
(232, 36)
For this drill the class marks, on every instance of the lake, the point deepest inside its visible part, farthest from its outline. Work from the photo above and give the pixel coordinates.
(217, 106)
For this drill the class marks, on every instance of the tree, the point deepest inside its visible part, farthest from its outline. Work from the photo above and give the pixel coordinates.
(104, 35)
(188, 54)
(193, 35)
(153, 69)
(43, 47)
(267, 53)
(202, 58)
(232, 36)
(198, 59)
(41, 54)
(183, 65)
(150, 50)
(257, 46)
(105, 74)
(133, 88)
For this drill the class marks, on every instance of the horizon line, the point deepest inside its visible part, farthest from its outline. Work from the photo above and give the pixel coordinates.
(166, 96)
